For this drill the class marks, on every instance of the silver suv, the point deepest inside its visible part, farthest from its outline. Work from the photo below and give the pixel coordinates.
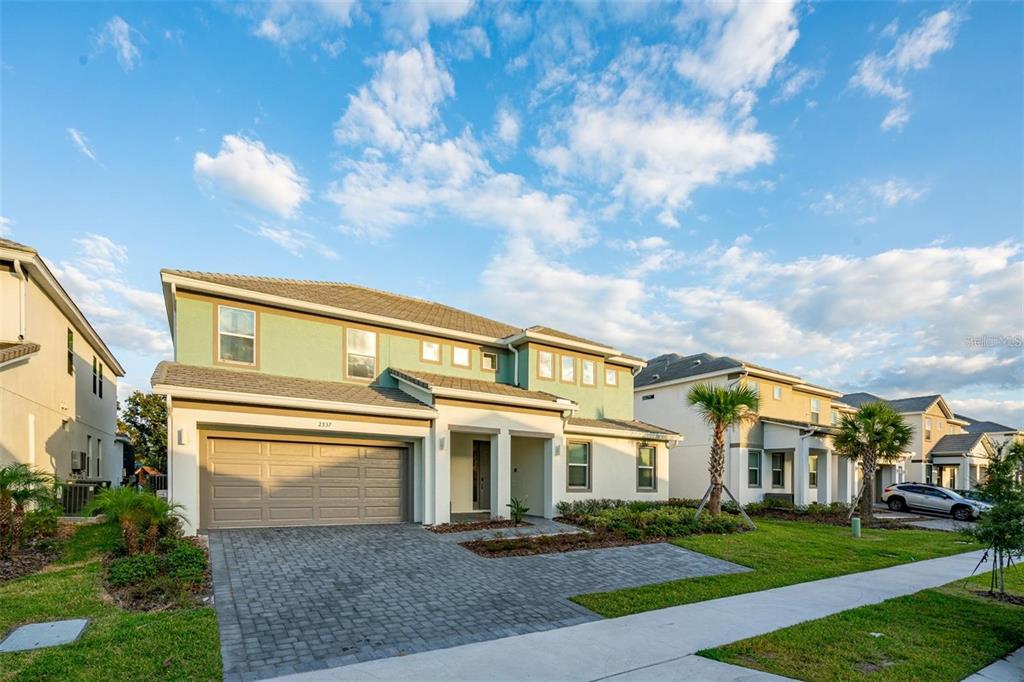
(932, 498)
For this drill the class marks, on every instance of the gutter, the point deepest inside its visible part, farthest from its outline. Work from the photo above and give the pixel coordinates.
(558, 405)
(298, 403)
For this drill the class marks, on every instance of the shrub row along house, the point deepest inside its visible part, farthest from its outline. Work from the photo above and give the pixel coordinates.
(312, 403)
(786, 451)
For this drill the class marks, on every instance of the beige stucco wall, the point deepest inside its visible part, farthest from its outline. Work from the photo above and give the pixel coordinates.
(528, 473)
(45, 413)
(462, 472)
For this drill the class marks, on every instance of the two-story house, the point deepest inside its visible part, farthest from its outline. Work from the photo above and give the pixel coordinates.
(302, 403)
(999, 434)
(58, 379)
(786, 451)
(941, 452)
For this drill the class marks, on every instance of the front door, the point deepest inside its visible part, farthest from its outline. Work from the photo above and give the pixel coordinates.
(482, 474)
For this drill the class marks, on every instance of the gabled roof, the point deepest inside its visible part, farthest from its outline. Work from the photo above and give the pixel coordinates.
(40, 273)
(915, 404)
(975, 426)
(673, 366)
(13, 351)
(170, 375)
(431, 382)
(956, 444)
(626, 425)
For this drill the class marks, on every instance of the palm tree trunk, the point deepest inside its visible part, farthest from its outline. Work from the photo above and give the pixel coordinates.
(5, 521)
(867, 500)
(17, 525)
(716, 469)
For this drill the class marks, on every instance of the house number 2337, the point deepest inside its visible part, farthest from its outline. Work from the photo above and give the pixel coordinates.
(324, 425)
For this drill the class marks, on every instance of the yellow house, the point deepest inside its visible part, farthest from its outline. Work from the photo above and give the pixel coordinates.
(785, 452)
(58, 379)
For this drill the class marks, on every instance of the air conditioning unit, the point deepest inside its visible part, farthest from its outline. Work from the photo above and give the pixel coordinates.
(76, 460)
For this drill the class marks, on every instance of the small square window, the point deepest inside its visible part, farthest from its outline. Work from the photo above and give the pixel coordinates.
(569, 369)
(430, 351)
(460, 356)
(588, 373)
(545, 364)
(777, 392)
(489, 361)
(611, 377)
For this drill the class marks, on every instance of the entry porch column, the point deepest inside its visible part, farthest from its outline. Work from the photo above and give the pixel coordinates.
(501, 473)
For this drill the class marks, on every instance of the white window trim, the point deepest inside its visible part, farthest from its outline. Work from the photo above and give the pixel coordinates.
(777, 392)
(485, 354)
(423, 351)
(653, 466)
(593, 373)
(561, 369)
(220, 333)
(469, 356)
(812, 472)
(815, 413)
(781, 486)
(608, 372)
(760, 468)
(569, 465)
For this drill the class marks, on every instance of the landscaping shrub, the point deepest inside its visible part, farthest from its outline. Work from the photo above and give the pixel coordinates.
(133, 570)
(144, 518)
(582, 508)
(184, 561)
(41, 524)
(661, 521)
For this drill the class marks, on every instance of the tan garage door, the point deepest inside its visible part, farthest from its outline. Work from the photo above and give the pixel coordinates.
(251, 482)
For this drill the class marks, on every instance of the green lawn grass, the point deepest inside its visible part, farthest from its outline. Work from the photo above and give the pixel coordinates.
(780, 553)
(940, 634)
(181, 644)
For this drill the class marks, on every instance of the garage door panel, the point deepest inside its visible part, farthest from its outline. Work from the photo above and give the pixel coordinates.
(267, 483)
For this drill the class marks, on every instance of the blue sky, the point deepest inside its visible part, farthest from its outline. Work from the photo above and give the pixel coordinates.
(832, 189)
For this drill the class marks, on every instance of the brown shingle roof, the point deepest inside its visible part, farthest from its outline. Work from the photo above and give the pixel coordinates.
(10, 351)
(563, 335)
(632, 425)
(362, 300)
(7, 243)
(258, 383)
(428, 381)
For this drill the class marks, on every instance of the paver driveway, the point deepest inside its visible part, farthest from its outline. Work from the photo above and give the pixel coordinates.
(301, 599)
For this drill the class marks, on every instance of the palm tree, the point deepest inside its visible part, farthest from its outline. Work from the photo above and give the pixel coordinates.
(721, 407)
(874, 435)
(20, 484)
(138, 512)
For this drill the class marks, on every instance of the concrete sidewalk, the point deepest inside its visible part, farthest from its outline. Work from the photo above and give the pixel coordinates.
(652, 645)
(1009, 669)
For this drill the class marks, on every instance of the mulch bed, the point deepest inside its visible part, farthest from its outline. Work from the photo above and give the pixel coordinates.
(476, 525)
(551, 544)
(1014, 599)
(35, 557)
(152, 597)
(787, 515)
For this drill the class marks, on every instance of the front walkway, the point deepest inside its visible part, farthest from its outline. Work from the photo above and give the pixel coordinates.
(655, 644)
(1009, 669)
(304, 599)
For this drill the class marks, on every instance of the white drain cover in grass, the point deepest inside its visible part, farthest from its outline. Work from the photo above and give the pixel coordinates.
(41, 635)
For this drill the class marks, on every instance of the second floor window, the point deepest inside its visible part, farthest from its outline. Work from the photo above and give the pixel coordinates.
(460, 356)
(927, 428)
(835, 417)
(361, 353)
(815, 410)
(588, 373)
(611, 377)
(71, 352)
(95, 374)
(755, 387)
(569, 369)
(489, 361)
(236, 329)
(777, 392)
(430, 351)
(545, 365)
(101, 380)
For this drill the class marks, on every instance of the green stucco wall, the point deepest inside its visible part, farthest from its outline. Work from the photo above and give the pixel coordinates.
(194, 336)
(594, 401)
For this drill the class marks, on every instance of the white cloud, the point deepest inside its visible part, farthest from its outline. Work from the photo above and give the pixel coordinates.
(506, 126)
(895, 191)
(412, 20)
(400, 103)
(81, 143)
(653, 254)
(470, 42)
(118, 35)
(125, 316)
(796, 82)
(883, 75)
(620, 131)
(5, 226)
(743, 43)
(1008, 412)
(246, 169)
(294, 241)
(288, 23)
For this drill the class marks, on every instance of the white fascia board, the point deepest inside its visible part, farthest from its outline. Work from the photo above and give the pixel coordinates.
(53, 289)
(819, 390)
(326, 310)
(181, 392)
(561, 405)
(547, 339)
(628, 362)
(618, 433)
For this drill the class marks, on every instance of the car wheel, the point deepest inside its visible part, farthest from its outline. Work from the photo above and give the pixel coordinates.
(962, 513)
(896, 504)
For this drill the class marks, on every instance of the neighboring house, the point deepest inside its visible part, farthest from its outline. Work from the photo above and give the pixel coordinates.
(785, 452)
(58, 379)
(956, 464)
(999, 434)
(304, 403)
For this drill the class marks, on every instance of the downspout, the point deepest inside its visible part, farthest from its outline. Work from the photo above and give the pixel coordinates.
(515, 364)
(22, 286)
